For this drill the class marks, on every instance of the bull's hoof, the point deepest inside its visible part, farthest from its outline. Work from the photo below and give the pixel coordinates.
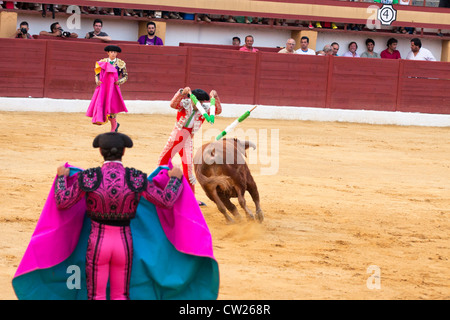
(231, 221)
(259, 216)
(250, 217)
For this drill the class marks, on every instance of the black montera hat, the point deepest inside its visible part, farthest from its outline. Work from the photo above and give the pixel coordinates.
(113, 48)
(111, 140)
(200, 94)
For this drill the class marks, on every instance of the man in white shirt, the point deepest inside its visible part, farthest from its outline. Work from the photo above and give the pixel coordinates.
(290, 44)
(304, 43)
(419, 53)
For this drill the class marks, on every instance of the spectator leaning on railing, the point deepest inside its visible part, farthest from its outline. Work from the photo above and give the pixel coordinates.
(98, 33)
(57, 31)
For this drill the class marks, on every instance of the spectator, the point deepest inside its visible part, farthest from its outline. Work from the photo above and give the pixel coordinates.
(51, 9)
(290, 45)
(328, 50)
(304, 43)
(172, 15)
(247, 20)
(335, 48)
(326, 25)
(280, 22)
(405, 30)
(419, 53)
(248, 47)
(352, 47)
(203, 17)
(22, 32)
(57, 31)
(356, 27)
(28, 6)
(391, 51)
(444, 3)
(98, 33)
(151, 39)
(229, 19)
(9, 5)
(320, 53)
(236, 41)
(149, 14)
(102, 10)
(370, 44)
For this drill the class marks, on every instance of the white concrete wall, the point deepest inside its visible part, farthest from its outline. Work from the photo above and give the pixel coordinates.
(214, 34)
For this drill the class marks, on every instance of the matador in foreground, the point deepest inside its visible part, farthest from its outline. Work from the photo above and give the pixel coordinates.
(112, 195)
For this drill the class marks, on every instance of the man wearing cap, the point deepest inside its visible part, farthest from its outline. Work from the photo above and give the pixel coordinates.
(189, 121)
(112, 194)
(107, 101)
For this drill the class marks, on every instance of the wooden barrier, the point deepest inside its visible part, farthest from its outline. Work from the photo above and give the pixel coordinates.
(155, 72)
(424, 87)
(23, 70)
(291, 80)
(231, 73)
(65, 70)
(361, 83)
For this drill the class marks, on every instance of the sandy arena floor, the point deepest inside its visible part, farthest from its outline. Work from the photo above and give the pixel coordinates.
(337, 198)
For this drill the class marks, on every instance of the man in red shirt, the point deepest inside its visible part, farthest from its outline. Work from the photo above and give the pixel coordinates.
(391, 51)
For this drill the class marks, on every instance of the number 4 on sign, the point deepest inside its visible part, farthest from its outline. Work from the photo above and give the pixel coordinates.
(386, 15)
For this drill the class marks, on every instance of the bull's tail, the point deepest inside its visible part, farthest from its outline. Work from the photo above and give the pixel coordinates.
(221, 181)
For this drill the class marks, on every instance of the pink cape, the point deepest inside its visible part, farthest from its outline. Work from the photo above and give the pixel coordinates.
(184, 226)
(107, 98)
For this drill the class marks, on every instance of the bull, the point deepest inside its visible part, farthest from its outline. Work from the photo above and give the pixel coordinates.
(222, 172)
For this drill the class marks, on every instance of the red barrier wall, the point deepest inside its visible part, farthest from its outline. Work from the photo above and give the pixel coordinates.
(23, 68)
(292, 80)
(360, 83)
(231, 73)
(65, 69)
(424, 87)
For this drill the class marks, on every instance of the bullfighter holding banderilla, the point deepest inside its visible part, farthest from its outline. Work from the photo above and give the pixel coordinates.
(189, 121)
